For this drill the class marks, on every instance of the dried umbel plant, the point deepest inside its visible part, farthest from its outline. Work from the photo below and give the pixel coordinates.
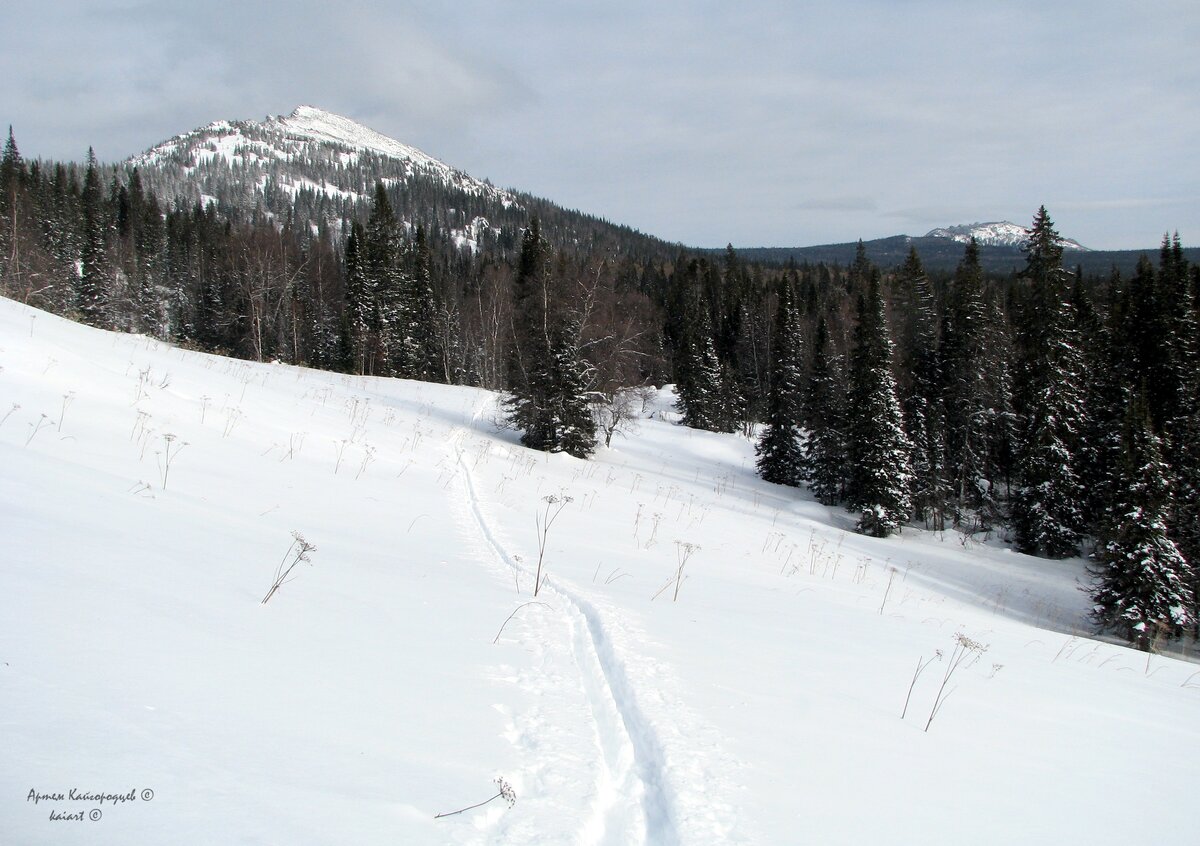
(506, 793)
(298, 552)
(966, 651)
(7, 414)
(37, 426)
(683, 552)
(66, 401)
(171, 450)
(554, 507)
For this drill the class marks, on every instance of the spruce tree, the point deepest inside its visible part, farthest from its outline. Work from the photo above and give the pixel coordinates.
(824, 416)
(1143, 589)
(741, 339)
(1181, 336)
(1181, 413)
(1143, 337)
(574, 425)
(1107, 389)
(921, 396)
(359, 304)
(422, 335)
(149, 242)
(12, 171)
(862, 270)
(548, 389)
(880, 475)
(95, 277)
(385, 284)
(530, 374)
(10, 164)
(1184, 517)
(964, 379)
(11, 175)
(702, 387)
(779, 449)
(1047, 510)
(1002, 420)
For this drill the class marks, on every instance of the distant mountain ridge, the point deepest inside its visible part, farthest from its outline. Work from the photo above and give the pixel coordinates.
(1001, 233)
(944, 254)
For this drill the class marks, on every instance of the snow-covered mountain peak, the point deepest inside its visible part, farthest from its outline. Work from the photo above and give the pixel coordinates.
(312, 123)
(330, 159)
(1002, 233)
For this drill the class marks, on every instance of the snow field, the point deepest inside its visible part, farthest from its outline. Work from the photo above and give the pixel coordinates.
(367, 696)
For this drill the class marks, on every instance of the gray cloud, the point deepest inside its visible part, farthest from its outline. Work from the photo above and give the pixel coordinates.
(838, 204)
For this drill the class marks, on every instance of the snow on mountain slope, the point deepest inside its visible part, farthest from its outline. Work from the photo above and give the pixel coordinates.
(995, 234)
(310, 123)
(309, 150)
(149, 495)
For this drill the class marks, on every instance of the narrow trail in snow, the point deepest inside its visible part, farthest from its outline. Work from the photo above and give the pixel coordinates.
(633, 776)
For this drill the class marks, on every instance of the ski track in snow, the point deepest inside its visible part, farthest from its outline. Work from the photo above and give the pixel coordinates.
(633, 797)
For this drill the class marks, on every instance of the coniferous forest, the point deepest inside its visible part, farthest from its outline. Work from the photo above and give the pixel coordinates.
(1053, 407)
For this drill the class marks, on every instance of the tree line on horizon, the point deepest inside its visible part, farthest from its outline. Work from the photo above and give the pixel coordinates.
(1060, 407)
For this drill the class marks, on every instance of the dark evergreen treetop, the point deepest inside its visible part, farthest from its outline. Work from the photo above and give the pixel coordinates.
(1043, 251)
(10, 163)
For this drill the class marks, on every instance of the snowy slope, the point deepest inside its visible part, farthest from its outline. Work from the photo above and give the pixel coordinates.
(995, 234)
(326, 157)
(384, 685)
(308, 123)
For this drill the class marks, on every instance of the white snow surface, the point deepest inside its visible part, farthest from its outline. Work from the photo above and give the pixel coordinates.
(373, 691)
(995, 234)
(311, 123)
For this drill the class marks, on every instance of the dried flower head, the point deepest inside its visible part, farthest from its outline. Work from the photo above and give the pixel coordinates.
(506, 791)
(968, 644)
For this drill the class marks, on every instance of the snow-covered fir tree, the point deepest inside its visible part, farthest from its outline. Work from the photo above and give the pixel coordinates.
(95, 275)
(530, 362)
(702, 387)
(779, 449)
(880, 475)
(824, 416)
(575, 427)
(385, 280)
(921, 395)
(965, 384)
(424, 355)
(547, 399)
(1047, 512)
(1107, 391)
(1144, 588)
(1181, 412)
(359, 307)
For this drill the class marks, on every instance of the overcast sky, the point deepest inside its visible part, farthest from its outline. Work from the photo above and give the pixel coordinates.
(756, 123)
